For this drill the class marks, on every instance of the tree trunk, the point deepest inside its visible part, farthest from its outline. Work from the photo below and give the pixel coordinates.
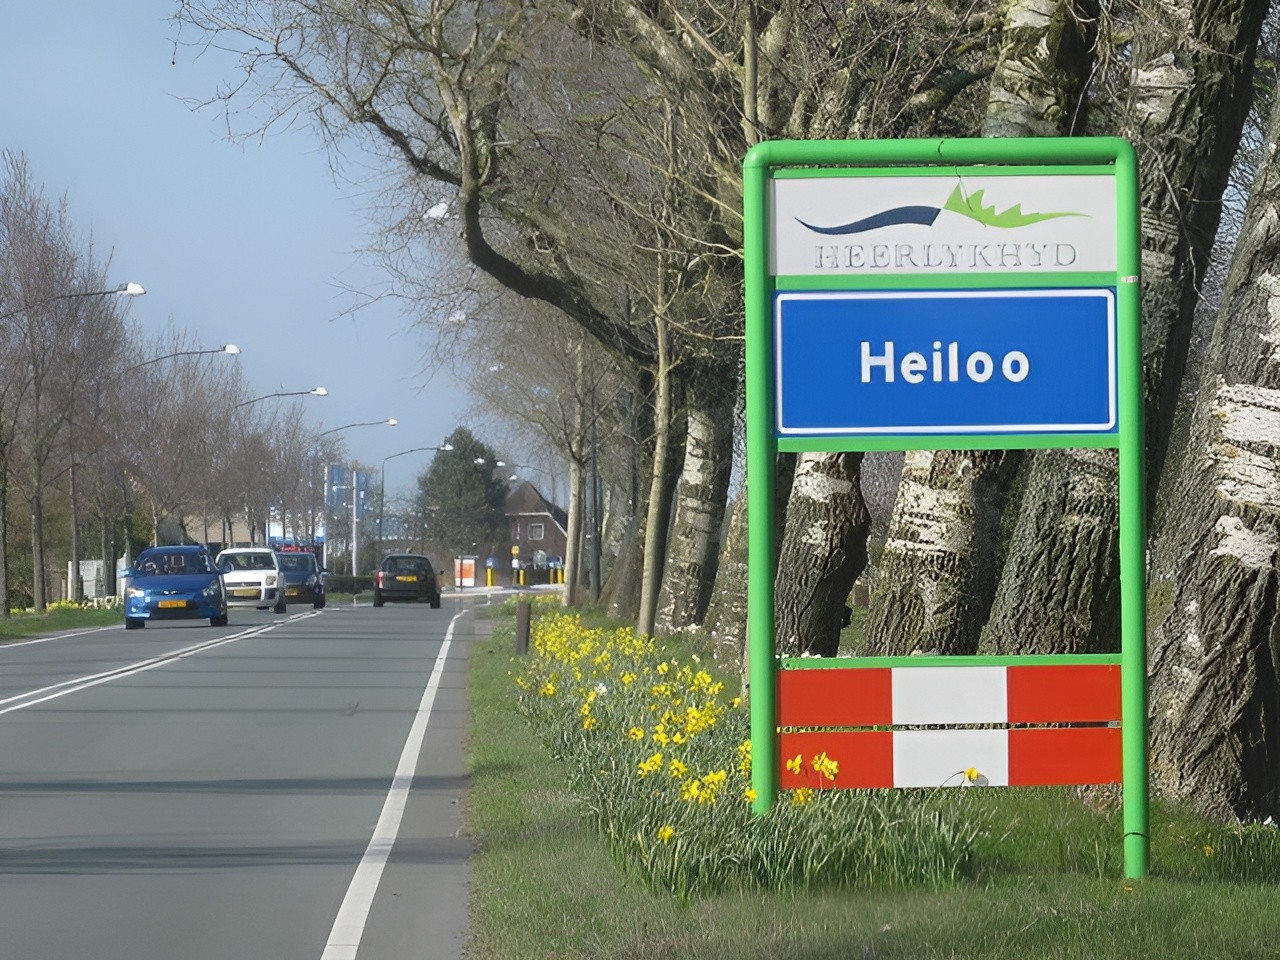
(937, 574)
(620, 598)
(694, 547)
(1215, 680)
(824, 548)
(38, 600)
(1189, 105)
(75, 593)
(659, 512)
(1068, 524)
(1037, 87)
(572, 553)
(726, 620)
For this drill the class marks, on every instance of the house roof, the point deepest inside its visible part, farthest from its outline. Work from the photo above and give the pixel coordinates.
(524, 499)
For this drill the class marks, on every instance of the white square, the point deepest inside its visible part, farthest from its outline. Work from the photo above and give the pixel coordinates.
(950, 695)
(935, 758)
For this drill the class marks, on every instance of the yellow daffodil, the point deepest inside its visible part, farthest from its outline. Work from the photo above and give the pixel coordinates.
(666, 832)
(826, 766)
(795, 763)
(1207, 850)
(677, 769)
(548, 689)
(749, 795)
(800, 796)
(635, 733)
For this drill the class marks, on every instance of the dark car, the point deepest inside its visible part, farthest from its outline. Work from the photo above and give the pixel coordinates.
(174, 583)
(303, 578)
(406, 576)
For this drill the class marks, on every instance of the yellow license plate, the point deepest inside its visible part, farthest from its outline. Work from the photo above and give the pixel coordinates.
(172, 603)
(292, 593)
(408, 579)
(244, 593)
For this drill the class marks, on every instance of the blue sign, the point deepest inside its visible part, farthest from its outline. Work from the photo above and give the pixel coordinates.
(945, 362)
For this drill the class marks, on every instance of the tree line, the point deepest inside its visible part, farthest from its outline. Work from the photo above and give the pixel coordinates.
(112, 439)
(576, 165)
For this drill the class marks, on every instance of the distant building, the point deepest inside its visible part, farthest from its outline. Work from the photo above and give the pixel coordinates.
(538, 527)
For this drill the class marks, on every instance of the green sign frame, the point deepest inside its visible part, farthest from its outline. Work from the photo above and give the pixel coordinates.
(774, 160)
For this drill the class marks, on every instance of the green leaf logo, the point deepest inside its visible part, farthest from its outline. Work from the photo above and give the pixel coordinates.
(971, 207)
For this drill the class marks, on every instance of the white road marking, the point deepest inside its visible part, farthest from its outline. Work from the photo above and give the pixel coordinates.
(353, 914)
(60, 636)
(56, 690)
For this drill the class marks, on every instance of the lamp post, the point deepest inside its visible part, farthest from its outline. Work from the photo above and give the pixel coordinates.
(228, 348)
(382, 484)
(355, 495)
(130, 289)
(314, 392)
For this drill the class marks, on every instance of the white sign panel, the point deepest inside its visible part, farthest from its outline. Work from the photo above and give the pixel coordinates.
(846, 226)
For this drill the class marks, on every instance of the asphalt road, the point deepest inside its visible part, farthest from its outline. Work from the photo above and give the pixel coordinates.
(285, 787)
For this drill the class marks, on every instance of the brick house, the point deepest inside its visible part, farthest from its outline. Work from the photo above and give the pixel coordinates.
(537, 526)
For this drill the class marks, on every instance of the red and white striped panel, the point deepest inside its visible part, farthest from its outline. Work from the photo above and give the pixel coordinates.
(1017, 701)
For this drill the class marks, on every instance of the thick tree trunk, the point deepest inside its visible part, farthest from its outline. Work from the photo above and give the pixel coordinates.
(937, 573)
(1189, 104)
(1068, 525)
(694, 545)
(1214, 673)
(620, 596)
(1037, 87)
(824, 548)
(726, 620)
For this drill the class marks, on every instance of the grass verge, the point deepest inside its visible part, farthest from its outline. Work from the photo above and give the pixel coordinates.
(24, 624)
(1045, 879)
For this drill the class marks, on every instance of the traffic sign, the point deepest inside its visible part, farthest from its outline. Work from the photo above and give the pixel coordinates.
(945, 362)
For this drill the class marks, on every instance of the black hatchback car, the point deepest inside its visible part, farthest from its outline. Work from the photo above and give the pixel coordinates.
(406, 576)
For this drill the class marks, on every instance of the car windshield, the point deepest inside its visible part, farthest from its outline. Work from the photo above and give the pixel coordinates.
(249, 561)
(159, 563)
(294, 562)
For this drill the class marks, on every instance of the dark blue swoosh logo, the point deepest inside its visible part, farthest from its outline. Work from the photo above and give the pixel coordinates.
(888, 218)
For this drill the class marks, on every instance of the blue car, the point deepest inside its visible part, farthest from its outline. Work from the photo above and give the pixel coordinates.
(174, 583)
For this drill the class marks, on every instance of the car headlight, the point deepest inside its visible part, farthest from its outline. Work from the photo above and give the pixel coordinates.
(137, 592)
(212, 590)
(271, 580)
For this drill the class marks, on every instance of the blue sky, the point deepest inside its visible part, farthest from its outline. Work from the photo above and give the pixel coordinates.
(246, 244)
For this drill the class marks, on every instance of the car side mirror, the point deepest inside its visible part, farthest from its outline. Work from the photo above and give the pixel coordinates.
(224, 567)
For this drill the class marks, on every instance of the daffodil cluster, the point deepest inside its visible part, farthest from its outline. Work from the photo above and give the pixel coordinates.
(659, 753)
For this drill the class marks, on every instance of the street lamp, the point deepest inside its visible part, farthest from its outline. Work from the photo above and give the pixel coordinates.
(130, 289)
(355, 496)
(382, 485)
(315, 392)
(390, 422)
(228, 348)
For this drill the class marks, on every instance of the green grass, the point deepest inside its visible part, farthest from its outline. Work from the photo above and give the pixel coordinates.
(1045, 882)
(25, 625)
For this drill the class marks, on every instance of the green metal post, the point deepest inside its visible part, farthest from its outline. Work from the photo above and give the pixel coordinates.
(762, 449)
(1133, 539)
